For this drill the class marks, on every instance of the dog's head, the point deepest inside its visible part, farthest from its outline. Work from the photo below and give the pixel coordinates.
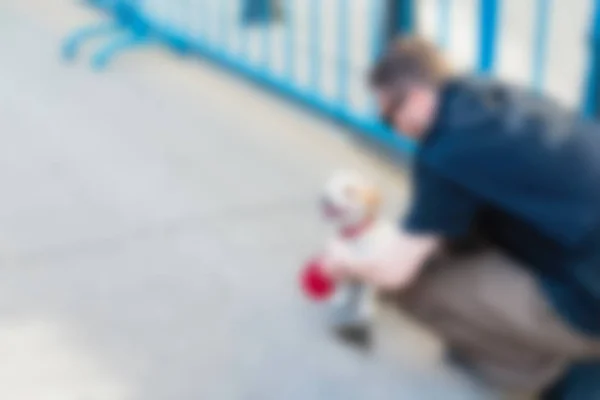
(349, 199)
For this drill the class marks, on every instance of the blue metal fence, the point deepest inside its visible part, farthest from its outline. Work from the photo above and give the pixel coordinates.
(316, 51)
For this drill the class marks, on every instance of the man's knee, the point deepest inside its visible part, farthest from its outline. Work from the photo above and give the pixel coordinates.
(452, 282)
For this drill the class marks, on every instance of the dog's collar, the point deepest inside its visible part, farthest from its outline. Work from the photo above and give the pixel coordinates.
(352, 232)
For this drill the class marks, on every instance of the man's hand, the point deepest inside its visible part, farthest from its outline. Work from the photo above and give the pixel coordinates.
(394, 266)
(337, 262)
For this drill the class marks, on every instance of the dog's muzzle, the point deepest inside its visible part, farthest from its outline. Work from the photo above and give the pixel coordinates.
(330, 209)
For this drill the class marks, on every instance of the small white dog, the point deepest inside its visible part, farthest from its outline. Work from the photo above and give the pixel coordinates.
(351, 204)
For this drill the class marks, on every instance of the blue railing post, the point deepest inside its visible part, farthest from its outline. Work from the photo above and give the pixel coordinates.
(130, 28)
(343, 53)
(72, 44)
(315, 45)
(290, 42)
(266, 45)
(256, 12)
(488, 21)
(400, 18)
(443, 33)
(243, 38)
(591, 105)
(222, 34)
(405, 16)
(541, 39)
(377, 39)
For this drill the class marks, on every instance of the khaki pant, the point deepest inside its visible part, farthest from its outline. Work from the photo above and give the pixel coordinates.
(490, 311)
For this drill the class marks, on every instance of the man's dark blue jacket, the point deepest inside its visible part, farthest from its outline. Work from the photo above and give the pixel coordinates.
(525, 173)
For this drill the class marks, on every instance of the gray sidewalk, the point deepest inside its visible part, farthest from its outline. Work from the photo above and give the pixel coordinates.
(152, 222)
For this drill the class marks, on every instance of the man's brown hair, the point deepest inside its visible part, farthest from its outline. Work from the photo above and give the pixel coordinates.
(410, 60)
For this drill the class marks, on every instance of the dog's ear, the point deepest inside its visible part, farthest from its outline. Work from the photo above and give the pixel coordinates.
(373, 199)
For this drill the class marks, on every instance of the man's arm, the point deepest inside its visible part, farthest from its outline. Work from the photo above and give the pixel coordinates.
(394, 267)
(400, 262)
(440, 210)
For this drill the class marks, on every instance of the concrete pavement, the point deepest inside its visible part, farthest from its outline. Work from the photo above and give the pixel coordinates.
(152, 221)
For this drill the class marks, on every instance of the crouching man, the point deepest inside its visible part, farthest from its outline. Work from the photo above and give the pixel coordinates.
(521, 175)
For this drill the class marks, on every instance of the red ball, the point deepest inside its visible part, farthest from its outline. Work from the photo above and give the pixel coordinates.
(314, 282)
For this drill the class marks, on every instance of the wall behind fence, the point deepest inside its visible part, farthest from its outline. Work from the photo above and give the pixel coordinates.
(319, 51)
